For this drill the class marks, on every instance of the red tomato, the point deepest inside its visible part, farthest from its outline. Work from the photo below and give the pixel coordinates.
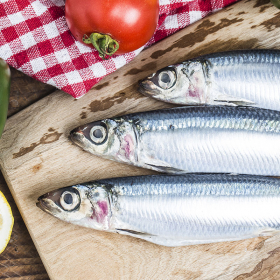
(131, 23)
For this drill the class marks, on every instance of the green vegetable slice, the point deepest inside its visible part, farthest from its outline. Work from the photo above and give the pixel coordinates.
(276, 3)
(5, 75)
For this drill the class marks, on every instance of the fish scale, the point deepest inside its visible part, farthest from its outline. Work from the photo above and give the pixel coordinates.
(213, 139)
(244, 80)
(242, 75)
(201, 115)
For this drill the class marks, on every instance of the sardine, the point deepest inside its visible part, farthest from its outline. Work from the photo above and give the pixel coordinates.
(203, 139)
(230, 78)
(172, 210)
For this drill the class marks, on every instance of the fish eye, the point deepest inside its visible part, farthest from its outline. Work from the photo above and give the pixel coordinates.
(98, 134)
(166, 79)
(69, 200)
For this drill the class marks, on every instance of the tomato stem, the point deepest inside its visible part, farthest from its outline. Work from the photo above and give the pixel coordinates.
(105, 45)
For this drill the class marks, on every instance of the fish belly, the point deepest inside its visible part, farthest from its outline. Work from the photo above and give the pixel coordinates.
(177, 212)
(213, 151)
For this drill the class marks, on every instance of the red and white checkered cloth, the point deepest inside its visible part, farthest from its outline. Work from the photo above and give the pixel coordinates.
(35, 39)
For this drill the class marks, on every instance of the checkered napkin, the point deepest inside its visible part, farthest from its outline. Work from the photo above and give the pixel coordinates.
(35, 39)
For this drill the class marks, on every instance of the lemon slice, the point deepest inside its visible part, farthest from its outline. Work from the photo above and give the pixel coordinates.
(6, 222)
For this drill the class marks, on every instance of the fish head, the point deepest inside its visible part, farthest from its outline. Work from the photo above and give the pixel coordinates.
(85, 205)
(114, 139)
(180, 84)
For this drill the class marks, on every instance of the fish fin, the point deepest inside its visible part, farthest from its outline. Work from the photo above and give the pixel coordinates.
(160, 166)
(234, 103)
(148, 160)
(132, 232)
(224, 99)
(167, 169)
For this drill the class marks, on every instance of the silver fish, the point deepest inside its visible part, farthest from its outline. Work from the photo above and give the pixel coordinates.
(172, 210)
(204, 139)
(230, 78)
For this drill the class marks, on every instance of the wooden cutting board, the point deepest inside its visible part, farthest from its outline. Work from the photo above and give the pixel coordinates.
(36, 156)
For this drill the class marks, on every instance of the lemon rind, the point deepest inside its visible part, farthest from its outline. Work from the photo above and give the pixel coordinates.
(8, 220)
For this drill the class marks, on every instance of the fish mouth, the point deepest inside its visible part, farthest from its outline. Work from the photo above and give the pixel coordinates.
(49, 202)
(44, 205)
(147, 88)
(77, 136)
(39, 205)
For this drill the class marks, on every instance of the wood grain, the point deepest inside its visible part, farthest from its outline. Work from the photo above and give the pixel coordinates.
(20, 260)
(37, 156)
